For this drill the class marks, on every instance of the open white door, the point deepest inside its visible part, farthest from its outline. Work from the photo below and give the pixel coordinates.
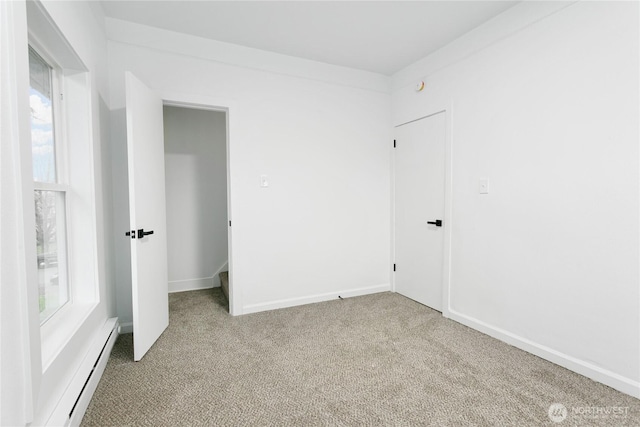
(147, 208)
(419, 209)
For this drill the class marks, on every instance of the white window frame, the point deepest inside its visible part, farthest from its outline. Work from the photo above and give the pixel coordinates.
(74, 127)
(61, 184)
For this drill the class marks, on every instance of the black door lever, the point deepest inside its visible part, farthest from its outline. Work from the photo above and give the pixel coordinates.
(142, 233)
(437, 222)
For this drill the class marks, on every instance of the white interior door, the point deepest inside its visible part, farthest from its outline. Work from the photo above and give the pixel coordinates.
(419, 199)
(147, 208)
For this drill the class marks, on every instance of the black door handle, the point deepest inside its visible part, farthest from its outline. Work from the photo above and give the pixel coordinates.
(131, 233)
(437, 222)
(142, 233)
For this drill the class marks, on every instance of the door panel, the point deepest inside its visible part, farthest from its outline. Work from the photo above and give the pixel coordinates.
(419, 198)
(147, 208)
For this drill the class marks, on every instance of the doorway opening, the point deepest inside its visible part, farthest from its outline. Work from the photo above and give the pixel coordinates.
(196, 170)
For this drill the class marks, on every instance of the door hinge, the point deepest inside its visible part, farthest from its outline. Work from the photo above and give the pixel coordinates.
(394, 143)
(229, 223)
(394, 267)
(62, 97)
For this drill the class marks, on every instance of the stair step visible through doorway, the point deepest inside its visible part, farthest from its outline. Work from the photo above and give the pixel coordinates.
(224, 284)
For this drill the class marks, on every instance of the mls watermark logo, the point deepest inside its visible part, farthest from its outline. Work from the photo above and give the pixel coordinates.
(558, 412)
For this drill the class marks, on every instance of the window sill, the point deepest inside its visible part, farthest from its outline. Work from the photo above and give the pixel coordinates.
(56, 332)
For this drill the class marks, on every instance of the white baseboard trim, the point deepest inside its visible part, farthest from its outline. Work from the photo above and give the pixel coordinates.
(225, 267)
(193, 284)
(596, 373)
(197, 284)
(291, 302)
(75, 400)
(126, 328)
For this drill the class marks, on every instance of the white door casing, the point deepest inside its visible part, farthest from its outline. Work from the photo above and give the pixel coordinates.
(147, 209)
(420, 156)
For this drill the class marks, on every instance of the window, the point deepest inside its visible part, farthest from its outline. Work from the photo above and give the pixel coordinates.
(65, 269)
(50, 189)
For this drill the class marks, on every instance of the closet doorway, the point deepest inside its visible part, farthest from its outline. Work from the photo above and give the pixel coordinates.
(195, 145)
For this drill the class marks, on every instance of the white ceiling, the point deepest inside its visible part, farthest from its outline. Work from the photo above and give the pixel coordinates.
(378, 36)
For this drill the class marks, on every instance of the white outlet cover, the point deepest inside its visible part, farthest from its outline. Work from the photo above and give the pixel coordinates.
(264, 181)
(483, 186)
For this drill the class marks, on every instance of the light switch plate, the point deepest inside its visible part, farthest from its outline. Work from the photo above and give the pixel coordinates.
(484, 186)
(264, 181)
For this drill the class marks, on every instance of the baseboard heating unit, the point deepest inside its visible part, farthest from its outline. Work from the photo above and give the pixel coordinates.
(74, 402)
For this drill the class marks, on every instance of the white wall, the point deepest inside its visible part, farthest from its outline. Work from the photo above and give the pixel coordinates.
(549, 260)
(19, 321)
(43, 386)
(195, 143)
(321, 134)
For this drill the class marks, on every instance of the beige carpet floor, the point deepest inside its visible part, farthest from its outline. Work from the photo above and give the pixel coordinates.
(374, 360)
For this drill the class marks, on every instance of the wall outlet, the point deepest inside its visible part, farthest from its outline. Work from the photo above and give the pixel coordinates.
(484, 186)
(264, 181)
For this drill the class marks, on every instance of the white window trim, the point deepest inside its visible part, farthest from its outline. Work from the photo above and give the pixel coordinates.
(74, 83)
(60, 327)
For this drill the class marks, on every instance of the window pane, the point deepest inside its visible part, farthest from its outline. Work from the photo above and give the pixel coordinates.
(42, 135)
(50, 238)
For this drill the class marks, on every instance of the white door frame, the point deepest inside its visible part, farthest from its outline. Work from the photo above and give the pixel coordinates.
(230, 107)
(446, 259)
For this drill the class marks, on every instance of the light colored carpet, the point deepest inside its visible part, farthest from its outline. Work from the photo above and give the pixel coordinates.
(373, 360)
